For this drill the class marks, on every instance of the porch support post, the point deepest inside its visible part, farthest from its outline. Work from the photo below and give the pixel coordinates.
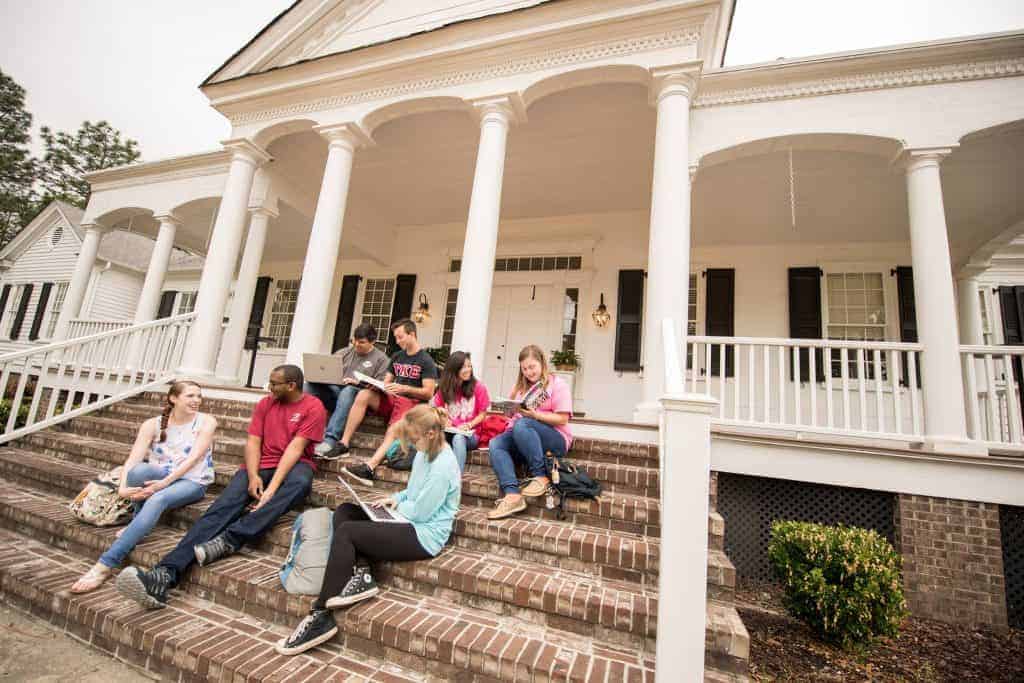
(79, 279)
(149, 299)
(969, 307)
(668, 256)
(477, 274)
(945, 421)
(324, 240)
(245, 289)
(205, 336)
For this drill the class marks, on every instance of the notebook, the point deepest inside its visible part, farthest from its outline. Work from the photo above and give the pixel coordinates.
(375, 514)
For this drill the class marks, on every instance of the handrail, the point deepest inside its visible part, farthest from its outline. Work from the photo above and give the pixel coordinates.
(811, 343)
(990, 349)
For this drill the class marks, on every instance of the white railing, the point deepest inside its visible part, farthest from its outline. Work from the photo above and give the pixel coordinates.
(49, 384)
(809, 385)
(83, 328)
(992, 392)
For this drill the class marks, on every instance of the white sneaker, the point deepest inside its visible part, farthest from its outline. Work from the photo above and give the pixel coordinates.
(323, 447)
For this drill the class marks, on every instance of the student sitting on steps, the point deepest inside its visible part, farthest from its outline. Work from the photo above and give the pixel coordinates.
(277, 476)
(466, 400)
(179, 467)
(429, 503)
(540, 427)
(410, 380)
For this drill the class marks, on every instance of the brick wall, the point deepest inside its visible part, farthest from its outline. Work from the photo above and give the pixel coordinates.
(952, 560)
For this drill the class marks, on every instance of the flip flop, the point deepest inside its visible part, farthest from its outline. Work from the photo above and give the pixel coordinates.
(93, 579)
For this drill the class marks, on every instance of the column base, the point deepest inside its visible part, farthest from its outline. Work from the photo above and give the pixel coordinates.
(953, 446)
(231, 381)
(647, 413)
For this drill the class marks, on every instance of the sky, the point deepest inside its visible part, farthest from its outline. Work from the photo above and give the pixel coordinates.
(138, 63)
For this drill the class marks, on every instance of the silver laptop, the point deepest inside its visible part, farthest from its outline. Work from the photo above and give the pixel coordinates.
(375, 514)
(323, 368)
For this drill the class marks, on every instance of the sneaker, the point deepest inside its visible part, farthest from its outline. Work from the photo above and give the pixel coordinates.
(215, 549)
(505, 507)
(334, 452)
(534, 488)
(360, 587)
(149, 589)
(322, 448)
(317, 627)
(361, 473)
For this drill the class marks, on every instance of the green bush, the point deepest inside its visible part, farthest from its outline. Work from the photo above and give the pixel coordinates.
(5, 412)
(843, 582)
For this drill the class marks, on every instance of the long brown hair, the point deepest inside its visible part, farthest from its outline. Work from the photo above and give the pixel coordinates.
(176, 389)
(451, 385)
(522, 384)
(423, 419)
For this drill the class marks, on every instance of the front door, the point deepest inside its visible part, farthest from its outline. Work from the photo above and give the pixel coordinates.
(520, 315)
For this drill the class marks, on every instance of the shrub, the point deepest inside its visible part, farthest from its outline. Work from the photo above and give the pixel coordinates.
(5, 413)
(843, 582)
(439, 354)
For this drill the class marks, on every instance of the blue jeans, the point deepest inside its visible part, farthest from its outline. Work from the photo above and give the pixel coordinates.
(461, 445)
(228, 515)
(526, 442)
(147, 512)
(338, 400)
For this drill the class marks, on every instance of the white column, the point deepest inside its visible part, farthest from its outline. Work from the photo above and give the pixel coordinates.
(324, 241)
(245, 289)
(149, 299)
(969, 308)
(668, 256)
(79, 279)
(477, 274)
(218, 268)
(945, 422)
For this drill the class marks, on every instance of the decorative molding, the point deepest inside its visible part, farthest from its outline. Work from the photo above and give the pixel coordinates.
(688, 35)
(144, 176)
(879, 80)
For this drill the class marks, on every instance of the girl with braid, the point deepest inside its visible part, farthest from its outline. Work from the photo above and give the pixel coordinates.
(177, 447)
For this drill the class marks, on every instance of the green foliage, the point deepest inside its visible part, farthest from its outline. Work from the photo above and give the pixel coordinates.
(843, 582)
(68, 157)
(439, 354)
(568, 357)
(5, 413)
(17, 167)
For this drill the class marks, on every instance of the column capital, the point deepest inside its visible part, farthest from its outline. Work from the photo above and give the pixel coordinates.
(168, 218)
(913, 158)
(971, 271)
(507, 108)
(98, 228)
(248, 150)
(349, 135)
(693, 168)
(267, 211)
(675, 79)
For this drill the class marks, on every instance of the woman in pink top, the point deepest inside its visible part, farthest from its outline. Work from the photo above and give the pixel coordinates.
(466, 400)
(542, 426)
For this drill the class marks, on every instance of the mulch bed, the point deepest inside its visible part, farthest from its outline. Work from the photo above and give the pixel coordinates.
(783, 649)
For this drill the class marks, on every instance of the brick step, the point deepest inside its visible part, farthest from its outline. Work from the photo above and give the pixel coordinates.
(192, 639)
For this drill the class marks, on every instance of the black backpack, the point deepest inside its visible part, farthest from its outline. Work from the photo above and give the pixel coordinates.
(569, 481)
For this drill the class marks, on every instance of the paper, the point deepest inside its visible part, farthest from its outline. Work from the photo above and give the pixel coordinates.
(366, 380)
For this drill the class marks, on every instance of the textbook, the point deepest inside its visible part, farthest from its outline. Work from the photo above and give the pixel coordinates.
(366, 381)
(534, 396)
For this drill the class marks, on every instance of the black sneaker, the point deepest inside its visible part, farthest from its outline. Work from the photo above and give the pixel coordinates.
(360, 587)
(361, 473)
(317, 627)
(149, 589)
(336, 451)
(215, 549)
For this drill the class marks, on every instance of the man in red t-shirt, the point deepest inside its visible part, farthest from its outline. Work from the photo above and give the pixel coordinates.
(277, 476)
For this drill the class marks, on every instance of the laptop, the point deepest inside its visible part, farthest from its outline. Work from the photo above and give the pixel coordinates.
(323, 368)
(375, 514)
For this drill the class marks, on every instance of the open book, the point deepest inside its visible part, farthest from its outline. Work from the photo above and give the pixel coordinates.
(365, 381)
(458, 430)
(534, 396)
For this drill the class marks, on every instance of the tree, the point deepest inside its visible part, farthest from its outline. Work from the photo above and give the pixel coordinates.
(17, 168)
(67, 158)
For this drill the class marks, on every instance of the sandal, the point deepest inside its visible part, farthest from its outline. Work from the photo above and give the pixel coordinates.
(92, 579)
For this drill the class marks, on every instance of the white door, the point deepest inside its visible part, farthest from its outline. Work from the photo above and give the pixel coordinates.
(519, 316)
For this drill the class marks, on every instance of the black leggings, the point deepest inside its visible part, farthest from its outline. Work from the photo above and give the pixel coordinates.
(356, 536)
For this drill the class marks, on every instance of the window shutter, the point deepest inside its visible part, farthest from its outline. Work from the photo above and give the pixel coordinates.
(37, 319)
(346, 311)
(720, 314)
(19, 318)
(908, 316)
(629, 320)
(259, 305)
(166, 304)
(405, 286)
(805, 318)
(1012, 331)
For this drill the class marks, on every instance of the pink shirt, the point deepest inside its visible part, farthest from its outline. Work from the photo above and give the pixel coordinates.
(559, 400)
(465, 409)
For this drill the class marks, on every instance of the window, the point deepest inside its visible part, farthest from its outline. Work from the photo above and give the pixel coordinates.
(513, 264)
(282, 312)
(187, 302)
(448, 326)
(13, 301)
(570, 308)
(987, 337)
(378, 297)
(58, 303)
(855, 310)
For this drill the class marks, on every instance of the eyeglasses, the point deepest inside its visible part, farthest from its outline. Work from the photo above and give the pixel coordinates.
(276, 384)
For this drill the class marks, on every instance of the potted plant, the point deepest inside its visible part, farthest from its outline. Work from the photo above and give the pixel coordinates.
(439, 354)
(566, 361)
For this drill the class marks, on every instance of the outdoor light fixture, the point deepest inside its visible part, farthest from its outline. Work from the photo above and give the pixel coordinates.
(422, 314)
(601, 315)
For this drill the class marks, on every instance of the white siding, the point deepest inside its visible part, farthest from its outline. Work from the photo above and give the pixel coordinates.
(115, 295)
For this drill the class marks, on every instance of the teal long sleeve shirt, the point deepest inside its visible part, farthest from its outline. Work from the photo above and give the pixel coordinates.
(431, 499)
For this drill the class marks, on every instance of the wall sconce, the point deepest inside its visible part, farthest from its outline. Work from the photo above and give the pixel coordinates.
(601, 315)
(421, 316)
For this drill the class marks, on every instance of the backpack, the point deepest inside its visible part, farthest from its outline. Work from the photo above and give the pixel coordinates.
(569, 481)
(98, 503)
(303, 570)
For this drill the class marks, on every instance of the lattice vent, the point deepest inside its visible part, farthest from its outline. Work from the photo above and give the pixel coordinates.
(1011, 527)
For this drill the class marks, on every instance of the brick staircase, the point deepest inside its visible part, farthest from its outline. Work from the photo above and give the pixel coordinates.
(532, 598)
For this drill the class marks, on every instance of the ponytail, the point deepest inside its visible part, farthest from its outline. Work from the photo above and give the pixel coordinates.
(422, 420)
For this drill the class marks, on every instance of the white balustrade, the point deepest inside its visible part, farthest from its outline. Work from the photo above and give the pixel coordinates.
(83, 328)
(992, 385)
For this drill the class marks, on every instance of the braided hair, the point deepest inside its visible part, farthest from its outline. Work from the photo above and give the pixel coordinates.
(176, 389)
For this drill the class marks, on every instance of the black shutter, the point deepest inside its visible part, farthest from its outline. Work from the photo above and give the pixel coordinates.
(908, 316)
(5, 294)
(166, 304)
(405, 286)
(37, 319)
(1013, 333)
(629, 320)
(19, 318)
(346, 311)
(805, 318)
(720, 314)
(259, 305)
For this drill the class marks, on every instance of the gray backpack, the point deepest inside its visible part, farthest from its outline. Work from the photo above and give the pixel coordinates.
(303, 569)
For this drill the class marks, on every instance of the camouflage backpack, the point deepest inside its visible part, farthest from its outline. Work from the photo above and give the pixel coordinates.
(98, 503)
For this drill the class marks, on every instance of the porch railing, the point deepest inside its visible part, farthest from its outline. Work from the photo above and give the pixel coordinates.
(80, 327)
(829, 386)
(49, 384)
(992, 386)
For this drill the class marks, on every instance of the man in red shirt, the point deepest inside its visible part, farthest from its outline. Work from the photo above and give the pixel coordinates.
(277, 476)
